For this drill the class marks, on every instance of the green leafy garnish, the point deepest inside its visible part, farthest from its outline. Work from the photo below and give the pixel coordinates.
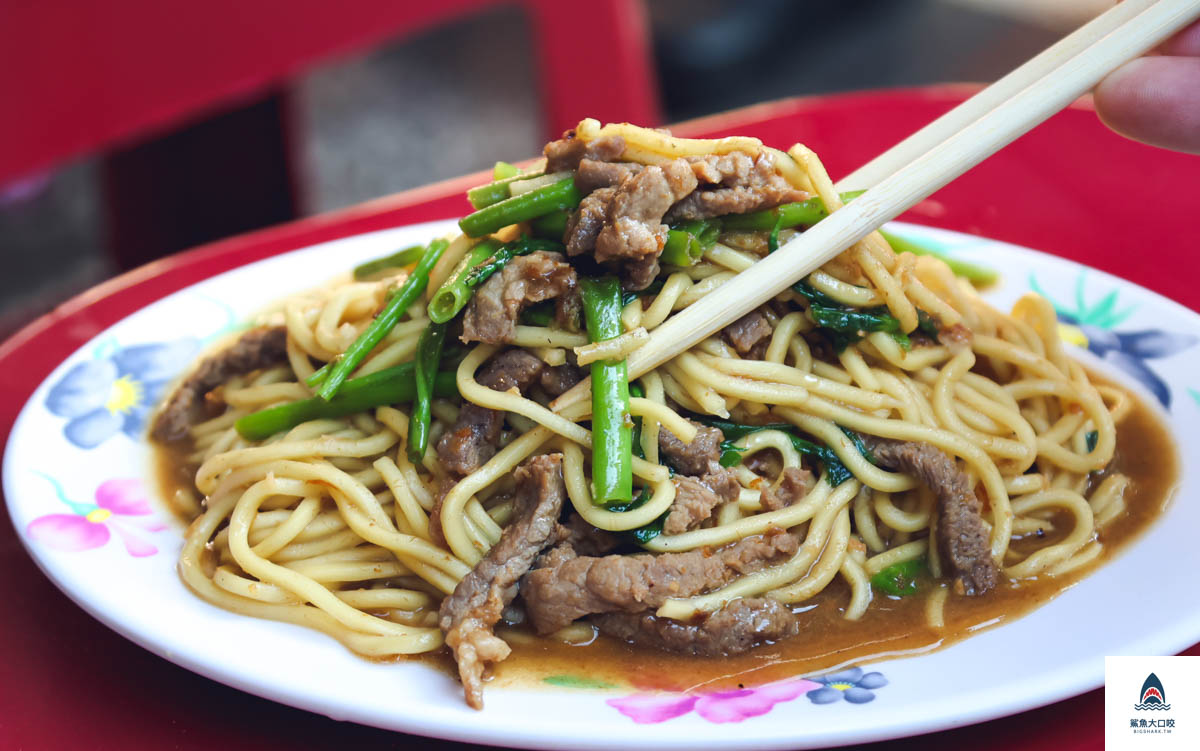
(900, 579)
(835, 472)
(646, 532)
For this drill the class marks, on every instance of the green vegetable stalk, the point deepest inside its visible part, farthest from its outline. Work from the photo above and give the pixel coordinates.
(612, 436)
(552, 225)
(500, 188)
(505, 171)
(560, 195)
(396, 306)
(687, 242)
(977, 275)
(454, 293)
(393, 385)
(899, 579)
(786, 216)
(429, 355)
(397, 260)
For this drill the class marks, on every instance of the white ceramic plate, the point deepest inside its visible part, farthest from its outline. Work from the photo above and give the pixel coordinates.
(77, 479)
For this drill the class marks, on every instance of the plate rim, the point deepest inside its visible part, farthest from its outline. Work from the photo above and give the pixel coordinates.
(438, 728)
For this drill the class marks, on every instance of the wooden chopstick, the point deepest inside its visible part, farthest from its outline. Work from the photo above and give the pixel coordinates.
(887, 163)
(949, 158)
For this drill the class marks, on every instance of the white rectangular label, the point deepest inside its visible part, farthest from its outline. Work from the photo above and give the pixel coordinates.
(1151, 703)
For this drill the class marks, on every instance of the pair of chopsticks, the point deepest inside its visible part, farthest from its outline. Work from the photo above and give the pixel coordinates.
(920, 165)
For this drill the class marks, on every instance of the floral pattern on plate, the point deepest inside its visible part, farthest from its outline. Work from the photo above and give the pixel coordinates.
(121, 505)
(736, 705)
(115, 391)
(1092, 327)
(853, 685)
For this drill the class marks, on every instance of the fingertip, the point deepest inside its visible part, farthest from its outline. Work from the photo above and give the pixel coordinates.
(1184, 44)
(1155, 100)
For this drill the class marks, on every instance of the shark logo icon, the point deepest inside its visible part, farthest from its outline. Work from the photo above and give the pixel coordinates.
(1153, 695)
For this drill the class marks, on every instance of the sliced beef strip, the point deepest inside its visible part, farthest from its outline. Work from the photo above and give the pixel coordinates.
(469, 613)
(557, 380)
(766, 463)
(622, 224)
(747, 332)
(794, 484)
(696, 497)
(584, 539)
(566, 153)
(697, 458)
(962, 537)
(741, 183)
(584, 224)
(492, 313)
(567, 587)
(256, 349)
(435, 514)
(471, 441)
(634, 235)
(593, 174)
(736, 628)
(568, 309)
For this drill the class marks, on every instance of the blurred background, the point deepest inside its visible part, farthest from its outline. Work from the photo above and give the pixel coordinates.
(136, 129)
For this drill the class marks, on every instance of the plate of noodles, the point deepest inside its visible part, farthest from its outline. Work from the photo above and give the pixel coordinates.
(403, 479)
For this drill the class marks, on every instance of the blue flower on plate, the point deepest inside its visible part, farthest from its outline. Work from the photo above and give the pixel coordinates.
(852, 684)
(1090, 325)
(1129, 350)
(115, 391)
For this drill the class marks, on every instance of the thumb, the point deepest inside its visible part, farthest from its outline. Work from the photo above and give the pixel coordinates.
(1155, 100)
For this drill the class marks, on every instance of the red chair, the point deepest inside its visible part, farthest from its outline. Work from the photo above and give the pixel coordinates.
(92, 77)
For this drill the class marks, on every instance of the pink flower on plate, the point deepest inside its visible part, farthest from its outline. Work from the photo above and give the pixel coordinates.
(121, 506)
(719, 706)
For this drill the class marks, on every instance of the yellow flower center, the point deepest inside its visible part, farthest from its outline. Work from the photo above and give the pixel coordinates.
(1072, 335)
(125, 394)
(842, 686)
(98, 516)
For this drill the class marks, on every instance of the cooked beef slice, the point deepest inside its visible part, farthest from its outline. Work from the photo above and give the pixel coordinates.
(469, 613)
(794, 484)
(584, 539)
(747, 332)
(594, 174)
(256, 349)
(560, 378)
(962, 537)
(621, 224)
(734, 183)
(585, 223)
(566, 587)
(739, 626)
(697, 458)
(566, 153)
(634, 234)
(471, 441)
(493, 310)
(696, 497)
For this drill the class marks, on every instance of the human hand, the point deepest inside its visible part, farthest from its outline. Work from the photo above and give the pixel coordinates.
(1156, 99)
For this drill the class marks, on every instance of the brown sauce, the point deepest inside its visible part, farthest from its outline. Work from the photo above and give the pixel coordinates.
(891, 627)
